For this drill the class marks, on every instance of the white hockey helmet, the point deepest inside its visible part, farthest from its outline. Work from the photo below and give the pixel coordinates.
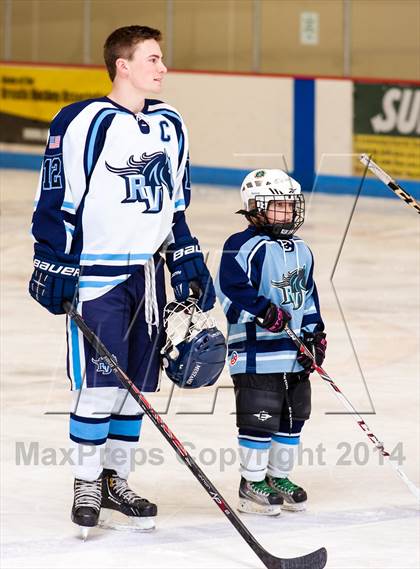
(260, 187)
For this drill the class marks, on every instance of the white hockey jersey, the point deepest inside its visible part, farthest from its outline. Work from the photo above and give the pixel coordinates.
(110, 184)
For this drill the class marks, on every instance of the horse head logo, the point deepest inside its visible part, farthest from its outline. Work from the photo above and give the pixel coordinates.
(146, 180)
(293, 287)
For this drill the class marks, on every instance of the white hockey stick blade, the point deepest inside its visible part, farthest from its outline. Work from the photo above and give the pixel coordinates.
(367, 161)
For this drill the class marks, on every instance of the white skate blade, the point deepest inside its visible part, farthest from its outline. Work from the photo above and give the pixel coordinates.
(111, 519)
(297, 507)
(250, 507)
(84, 532)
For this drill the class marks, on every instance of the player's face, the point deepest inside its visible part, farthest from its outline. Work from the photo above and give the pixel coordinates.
(146, 69)
(280, 211)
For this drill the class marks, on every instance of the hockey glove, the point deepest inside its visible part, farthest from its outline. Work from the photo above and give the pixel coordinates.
(54, 279)
(186, 264)
(274, 319)
(317, 345)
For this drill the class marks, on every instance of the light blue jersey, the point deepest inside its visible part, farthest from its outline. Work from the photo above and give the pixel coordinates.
(254, 271)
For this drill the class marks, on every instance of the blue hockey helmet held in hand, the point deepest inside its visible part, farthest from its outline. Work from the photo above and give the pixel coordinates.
(195, 350)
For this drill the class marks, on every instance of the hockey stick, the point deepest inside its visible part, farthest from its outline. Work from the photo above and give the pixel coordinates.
(366, 160)
(315, 560)
(359, 419)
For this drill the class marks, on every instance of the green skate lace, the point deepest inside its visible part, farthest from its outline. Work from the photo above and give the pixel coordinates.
(262, 488)
(284, 484)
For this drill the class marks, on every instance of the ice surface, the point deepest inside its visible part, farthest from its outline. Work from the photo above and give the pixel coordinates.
(359, 510)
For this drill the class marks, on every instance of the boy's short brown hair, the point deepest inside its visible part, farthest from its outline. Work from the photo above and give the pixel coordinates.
(122, 43)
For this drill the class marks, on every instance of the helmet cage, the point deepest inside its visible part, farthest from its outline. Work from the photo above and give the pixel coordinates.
(279, 228)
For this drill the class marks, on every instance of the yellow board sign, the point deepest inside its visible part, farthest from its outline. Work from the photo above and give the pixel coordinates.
(386, 126)
(397, 154)
(38, 93)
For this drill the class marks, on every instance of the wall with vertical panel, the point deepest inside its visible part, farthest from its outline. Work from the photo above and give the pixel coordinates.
(224, 34)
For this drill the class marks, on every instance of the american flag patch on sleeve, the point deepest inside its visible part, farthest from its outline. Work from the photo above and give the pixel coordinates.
(54, 142)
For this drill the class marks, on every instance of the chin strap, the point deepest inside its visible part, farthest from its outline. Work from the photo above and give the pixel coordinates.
(272, 230)
(250, 215)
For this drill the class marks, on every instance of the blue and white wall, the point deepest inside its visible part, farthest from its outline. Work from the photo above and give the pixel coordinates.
(241, 122)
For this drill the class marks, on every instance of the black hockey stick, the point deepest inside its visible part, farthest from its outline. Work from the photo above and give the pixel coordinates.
(315, 560)
(388, 181)
(347, 403)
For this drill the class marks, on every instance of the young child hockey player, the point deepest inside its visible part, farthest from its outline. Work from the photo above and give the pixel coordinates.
(113, 190)
(265, 282)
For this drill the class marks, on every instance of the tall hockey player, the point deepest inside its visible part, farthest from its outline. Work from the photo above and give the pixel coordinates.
(265, 281)
(112, 196)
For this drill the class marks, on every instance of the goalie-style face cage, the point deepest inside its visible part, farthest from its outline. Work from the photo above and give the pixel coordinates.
(273, 201)
(195, 350)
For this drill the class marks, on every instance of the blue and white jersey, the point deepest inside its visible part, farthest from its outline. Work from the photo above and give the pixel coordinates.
(254, 271)
(110, 184)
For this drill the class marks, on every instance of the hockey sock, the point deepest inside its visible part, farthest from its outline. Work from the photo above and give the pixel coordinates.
(254, 449)
(89, 428)
(120, 452)
(283, 450)
(88, 437)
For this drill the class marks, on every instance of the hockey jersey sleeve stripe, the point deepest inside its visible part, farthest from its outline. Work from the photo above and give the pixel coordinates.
(115, 256)
(92, 148)
(69, 227)
(234, 283)
(54, 189)
(252, 254)
(66, 205)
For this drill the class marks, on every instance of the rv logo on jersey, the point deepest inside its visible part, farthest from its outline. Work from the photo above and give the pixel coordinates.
(292, 287)
(102, 366)
(146, 180)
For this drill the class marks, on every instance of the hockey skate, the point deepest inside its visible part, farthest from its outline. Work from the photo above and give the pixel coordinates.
(294, 497)
(86, 504)
(259, 498)
(123, 509)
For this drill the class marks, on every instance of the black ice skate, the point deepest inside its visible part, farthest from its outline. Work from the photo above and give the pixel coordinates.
(294, 496)
(121, 508)
(86, 504)
(258, 498)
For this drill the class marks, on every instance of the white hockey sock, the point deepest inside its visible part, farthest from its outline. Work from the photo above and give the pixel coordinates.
(89, 426)
(253, 454)
(121, 451)
(281, 459)
(87, 461)
(121, 456)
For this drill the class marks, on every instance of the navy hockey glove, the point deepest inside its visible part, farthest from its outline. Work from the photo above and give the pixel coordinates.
(54, 279)
(274, 318)
(317, 345)
(188, 269)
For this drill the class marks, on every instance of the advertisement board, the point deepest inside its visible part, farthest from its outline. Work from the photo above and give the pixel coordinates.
(386, 125)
